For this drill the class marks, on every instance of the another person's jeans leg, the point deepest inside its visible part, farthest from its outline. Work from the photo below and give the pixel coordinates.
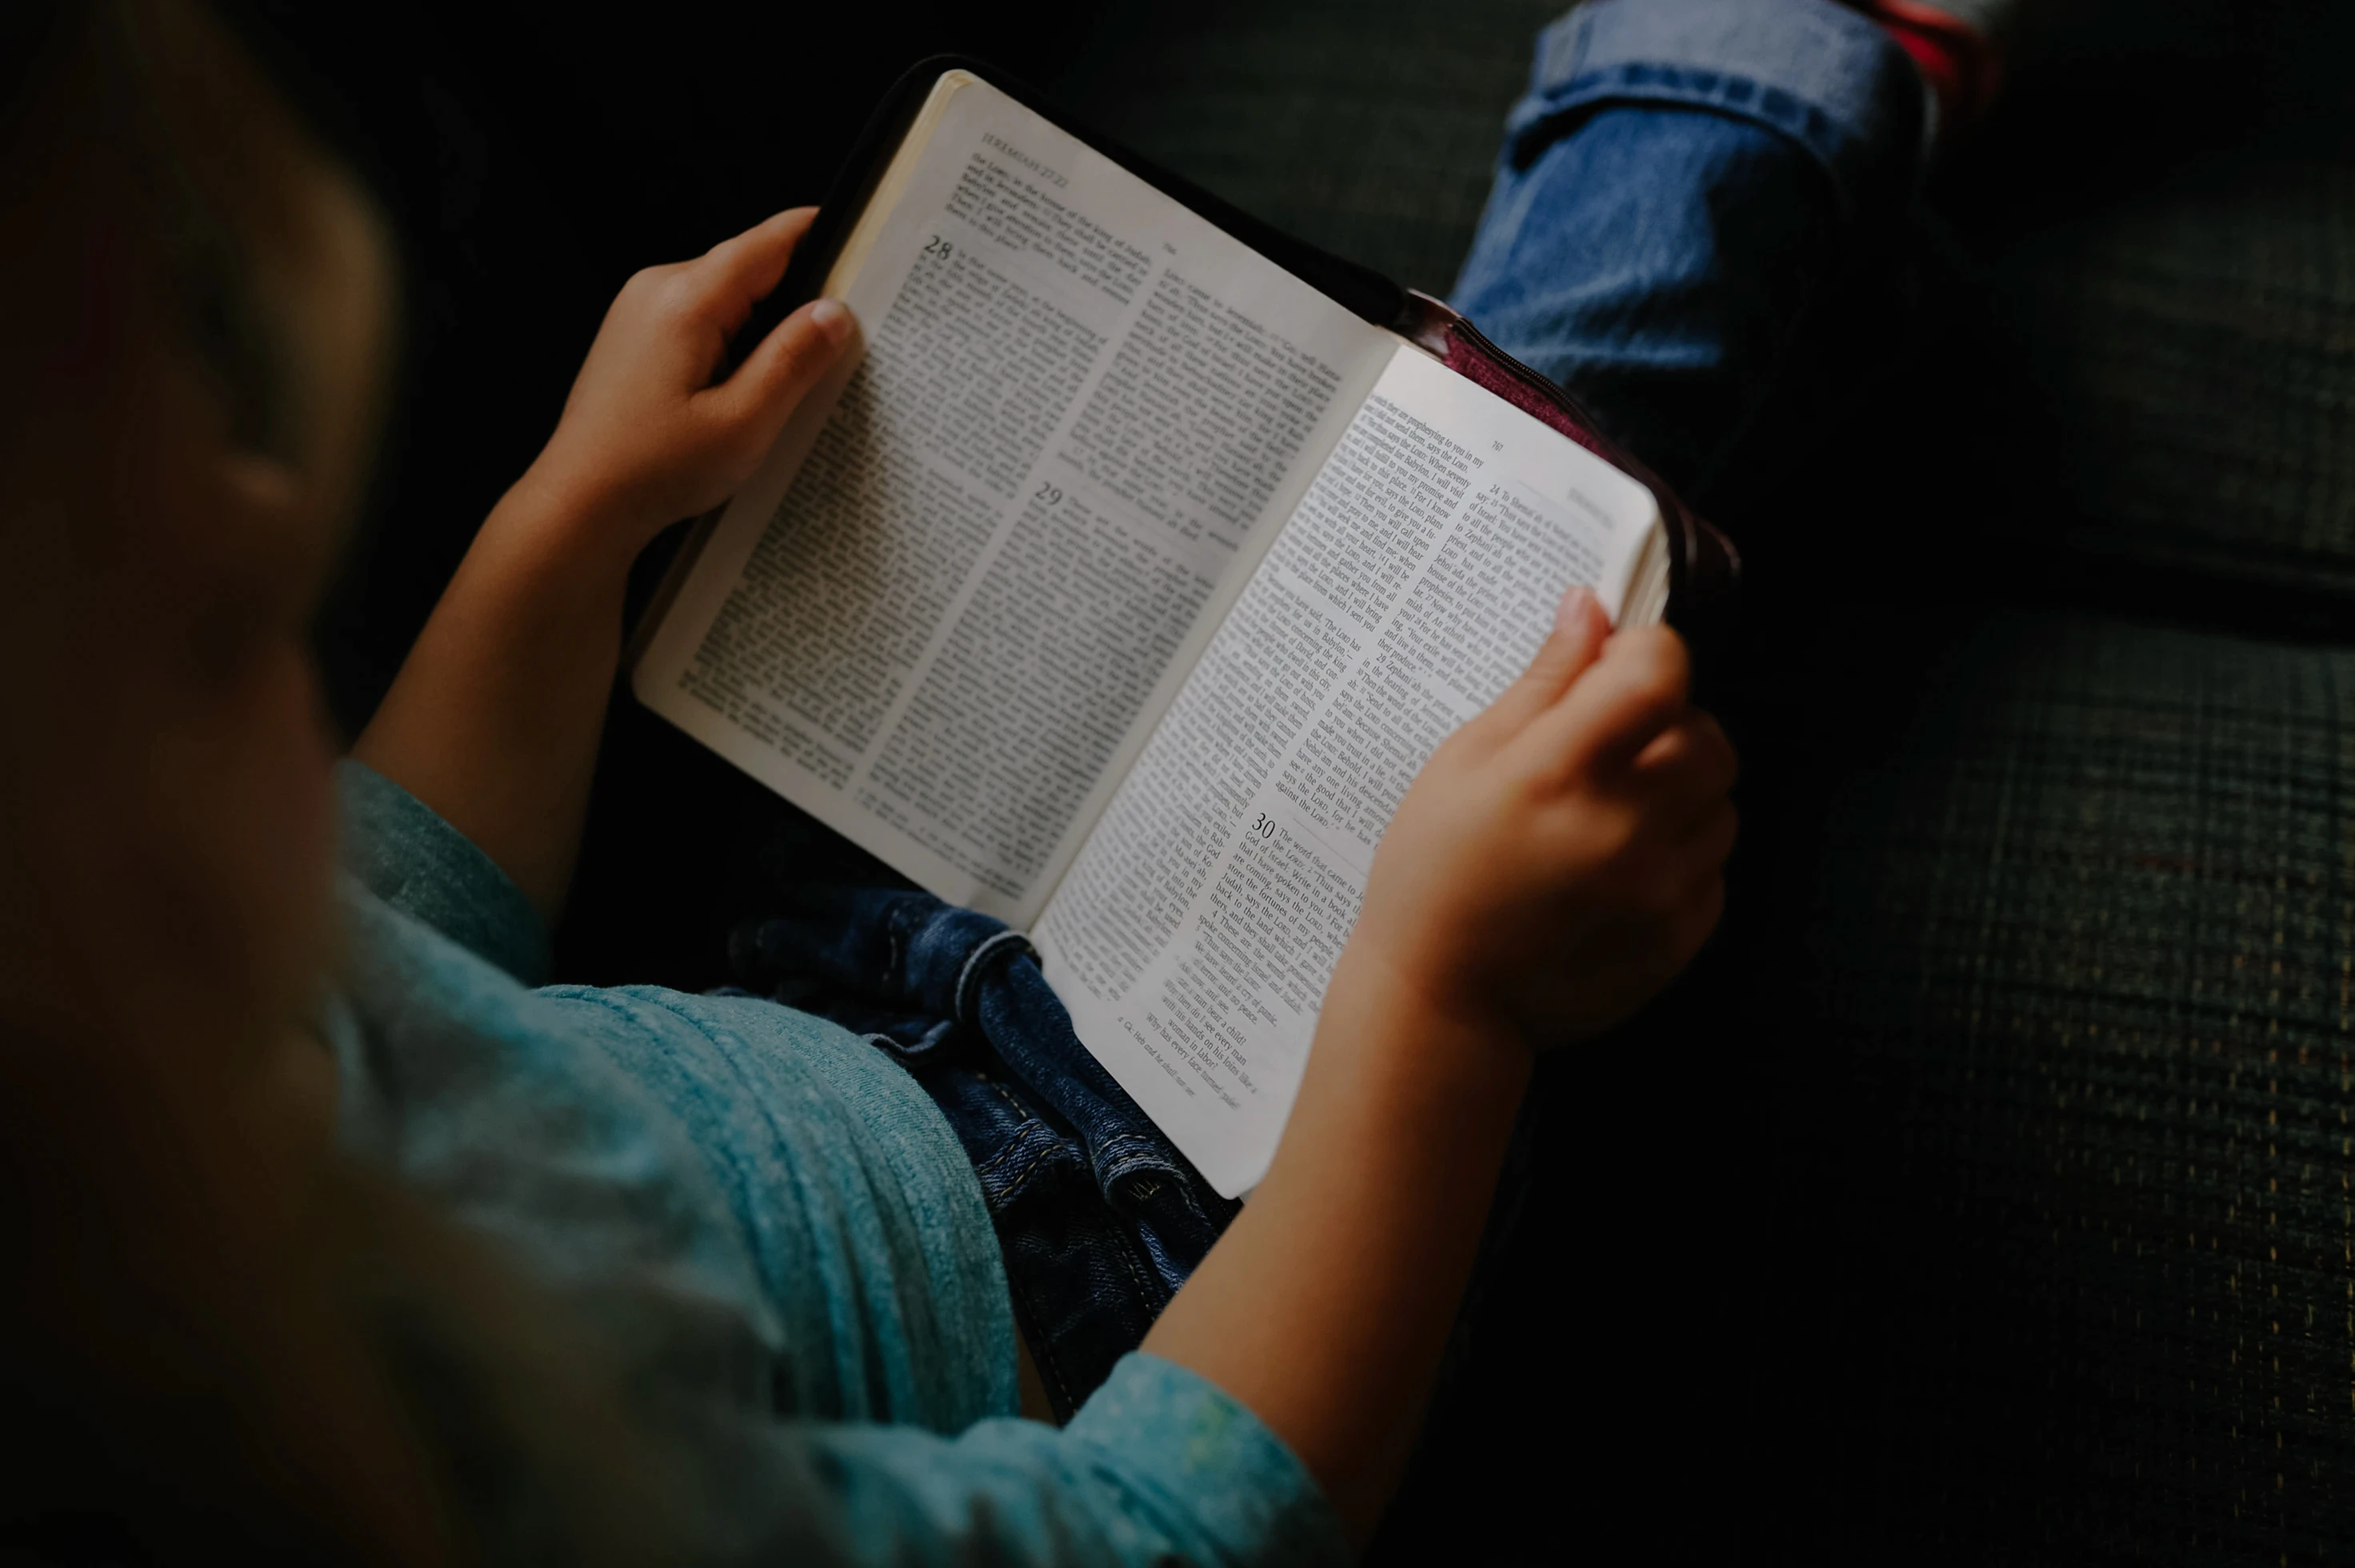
(1698, 222)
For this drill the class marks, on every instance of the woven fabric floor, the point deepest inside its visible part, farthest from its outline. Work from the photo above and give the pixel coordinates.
(2197, 346)
(2086, 939)
(1368, 129)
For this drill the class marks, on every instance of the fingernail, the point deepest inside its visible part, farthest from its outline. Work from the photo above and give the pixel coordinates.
(1567, 614)
(832, 317)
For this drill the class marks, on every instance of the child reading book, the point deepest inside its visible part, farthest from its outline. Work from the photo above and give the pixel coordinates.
(335, 1239)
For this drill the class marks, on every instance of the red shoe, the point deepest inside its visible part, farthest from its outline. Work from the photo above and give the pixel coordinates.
(1963, 65)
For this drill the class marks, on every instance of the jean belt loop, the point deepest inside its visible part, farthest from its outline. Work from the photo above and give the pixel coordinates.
(976, 966)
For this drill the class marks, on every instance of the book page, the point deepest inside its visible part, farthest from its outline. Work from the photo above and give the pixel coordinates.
(1194, 935)
(975, 569)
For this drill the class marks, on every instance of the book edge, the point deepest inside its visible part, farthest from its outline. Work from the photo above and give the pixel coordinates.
(878, 209)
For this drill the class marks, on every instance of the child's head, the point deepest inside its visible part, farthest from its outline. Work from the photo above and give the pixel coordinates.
(192, 309)
(192, 306)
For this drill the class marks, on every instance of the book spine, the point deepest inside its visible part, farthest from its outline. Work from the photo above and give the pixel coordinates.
(1704, 567)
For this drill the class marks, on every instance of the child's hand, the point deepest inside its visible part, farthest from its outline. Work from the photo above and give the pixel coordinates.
(494, 719)
(646, 438)
(1561, 857)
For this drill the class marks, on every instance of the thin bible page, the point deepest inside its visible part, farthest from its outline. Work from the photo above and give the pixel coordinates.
(1195, 934)
(978, 565)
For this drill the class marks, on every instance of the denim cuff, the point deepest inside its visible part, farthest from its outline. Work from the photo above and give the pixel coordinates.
(1823, 76)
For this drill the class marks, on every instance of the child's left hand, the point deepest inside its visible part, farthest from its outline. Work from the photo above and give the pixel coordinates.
(646, 437)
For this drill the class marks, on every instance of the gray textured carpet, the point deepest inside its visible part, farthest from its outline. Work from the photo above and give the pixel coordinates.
(1366, 128)
(2086, 938)
(2196, 347)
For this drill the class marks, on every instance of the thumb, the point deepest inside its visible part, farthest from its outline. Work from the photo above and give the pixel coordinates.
(1580, 629)
(776, 375)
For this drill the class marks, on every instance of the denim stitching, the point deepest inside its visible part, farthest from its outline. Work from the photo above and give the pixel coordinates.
(969, 977)
(1020, 1181)
(1030, 1133)
(1542, 124)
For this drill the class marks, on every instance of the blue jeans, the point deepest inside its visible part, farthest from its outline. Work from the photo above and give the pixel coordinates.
(1700, 226)
(1100, 1219)
(1697, 224)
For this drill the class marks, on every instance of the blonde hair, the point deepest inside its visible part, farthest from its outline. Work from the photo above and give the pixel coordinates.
(220, 1334)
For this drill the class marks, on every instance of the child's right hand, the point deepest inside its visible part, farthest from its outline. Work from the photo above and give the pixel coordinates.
(1561, 858)
(1557, 861)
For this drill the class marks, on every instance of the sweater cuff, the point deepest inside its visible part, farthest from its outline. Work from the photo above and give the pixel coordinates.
(406, 855)
(1187, 1441)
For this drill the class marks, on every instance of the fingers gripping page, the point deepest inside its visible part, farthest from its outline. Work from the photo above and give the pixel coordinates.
(1195, 934)
(976, 567)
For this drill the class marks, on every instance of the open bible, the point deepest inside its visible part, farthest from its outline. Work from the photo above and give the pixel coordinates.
(1120, 580)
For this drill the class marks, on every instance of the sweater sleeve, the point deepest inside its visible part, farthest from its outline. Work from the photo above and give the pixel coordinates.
(1159, 1466)
(507, 1109)
(406, 855)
